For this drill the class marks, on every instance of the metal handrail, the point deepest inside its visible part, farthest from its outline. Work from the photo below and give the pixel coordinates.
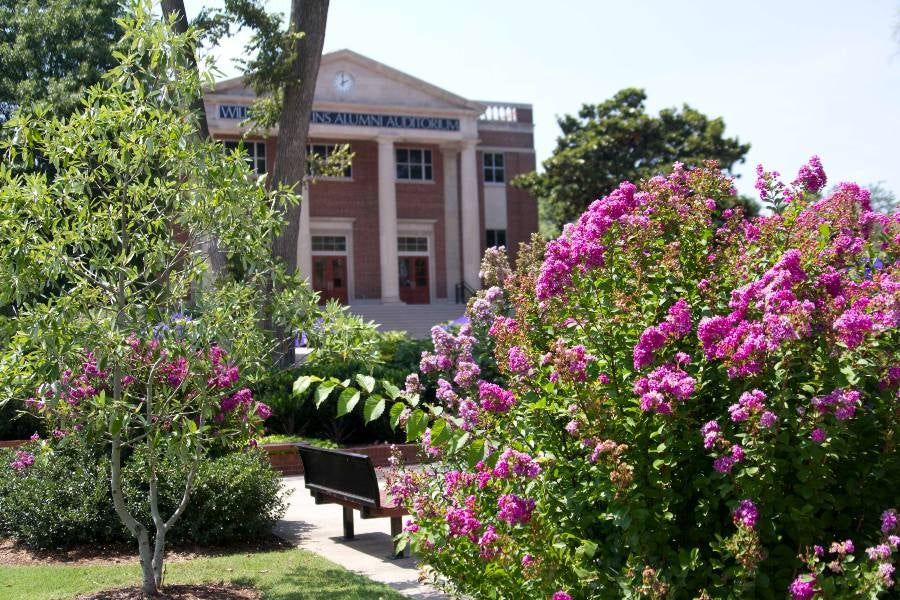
(463, 292)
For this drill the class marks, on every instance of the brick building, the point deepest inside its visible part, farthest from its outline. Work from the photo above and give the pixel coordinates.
(427, 189)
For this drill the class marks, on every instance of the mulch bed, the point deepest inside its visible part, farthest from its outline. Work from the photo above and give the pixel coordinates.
(12, 553)
(204, 591)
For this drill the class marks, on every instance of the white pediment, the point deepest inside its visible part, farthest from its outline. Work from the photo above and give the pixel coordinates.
(375, 84)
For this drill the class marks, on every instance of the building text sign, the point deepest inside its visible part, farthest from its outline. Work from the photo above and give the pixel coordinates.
(353, 119)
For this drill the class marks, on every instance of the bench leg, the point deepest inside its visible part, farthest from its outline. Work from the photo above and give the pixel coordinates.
(396, 529)
(348, 523)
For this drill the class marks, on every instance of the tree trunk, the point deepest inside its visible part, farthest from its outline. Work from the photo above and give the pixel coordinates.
(149, 584)
(308, 16)
(176, 7)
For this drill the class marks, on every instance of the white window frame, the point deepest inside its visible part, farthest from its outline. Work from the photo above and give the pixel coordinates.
(251, 153)
(493, 168)
(329, 147)
(336, 226)
(425, 165)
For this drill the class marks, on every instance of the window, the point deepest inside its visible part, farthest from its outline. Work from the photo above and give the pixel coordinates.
(323, 151)
(254, 152)
(493, 167)
(414, 164)
(329, 243)
(412, 244)
(495, 237)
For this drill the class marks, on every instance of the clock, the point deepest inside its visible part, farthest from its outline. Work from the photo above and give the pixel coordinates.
(343, 82)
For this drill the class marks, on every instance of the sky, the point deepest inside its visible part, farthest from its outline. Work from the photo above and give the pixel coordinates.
(793, 77)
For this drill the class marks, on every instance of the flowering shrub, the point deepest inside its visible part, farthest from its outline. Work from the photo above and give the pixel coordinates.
(165, 395)
(690, 401)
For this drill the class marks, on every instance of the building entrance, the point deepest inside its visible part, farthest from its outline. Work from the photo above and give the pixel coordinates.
(414, 284)
(330, 278)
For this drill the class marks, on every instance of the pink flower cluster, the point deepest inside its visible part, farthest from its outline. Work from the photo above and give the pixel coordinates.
(22, 460)
(726, 462)
(462, 520)
(811, 176)
(518, 361)
(676, 325)
(224, 374)
(494, 398)
(430, 450)
(711, 434)
(580, 246)
(514, 509)
(512, 462)
(742, 342)
(840, 402)
(745, 514)
(662, 384)
(452, 353)
(803, 587)
(175, 371)
(749, 404)
(455, 480)
(569, 363)
(869, 314)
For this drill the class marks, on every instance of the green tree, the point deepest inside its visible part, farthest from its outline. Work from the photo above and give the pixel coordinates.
(618, 140)
(51, 50)
(282, 70)
(121, 218)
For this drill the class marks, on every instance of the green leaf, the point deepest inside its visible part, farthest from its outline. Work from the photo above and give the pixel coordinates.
(322, 393)
(476, 452)
(587, 549)
(416, 425)
(440, 433)
(347, 400)
(390, 389)
(302, 384)
(373, 408)
(396, 411)
(367, 382)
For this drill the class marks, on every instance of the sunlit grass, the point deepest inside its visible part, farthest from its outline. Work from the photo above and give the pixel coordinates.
(283, 575)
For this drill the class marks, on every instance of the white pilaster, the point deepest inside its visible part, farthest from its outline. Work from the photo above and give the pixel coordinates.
(471, 223)
(304, 238)
(451, 217)
(387, 222)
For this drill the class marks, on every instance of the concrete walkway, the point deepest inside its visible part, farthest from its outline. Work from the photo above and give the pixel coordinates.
(318, 528)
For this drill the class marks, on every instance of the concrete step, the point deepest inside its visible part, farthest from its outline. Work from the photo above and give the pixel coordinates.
(415, 319)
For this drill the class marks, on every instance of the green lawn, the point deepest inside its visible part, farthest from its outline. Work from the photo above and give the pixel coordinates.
(282, 575)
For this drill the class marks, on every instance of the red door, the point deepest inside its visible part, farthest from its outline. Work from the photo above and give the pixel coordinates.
(330, 278)
(414, 279)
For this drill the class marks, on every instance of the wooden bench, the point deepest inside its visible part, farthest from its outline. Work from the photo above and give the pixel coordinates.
(348, 479)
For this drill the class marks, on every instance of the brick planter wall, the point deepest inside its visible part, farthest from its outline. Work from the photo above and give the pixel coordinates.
(12, 443)
(285, 458)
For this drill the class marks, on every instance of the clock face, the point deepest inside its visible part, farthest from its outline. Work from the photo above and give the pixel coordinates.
(343, 81)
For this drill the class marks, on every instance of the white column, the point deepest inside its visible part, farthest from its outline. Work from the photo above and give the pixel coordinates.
(304, 238)
(471, 223)
(387, 222)
(451, 217)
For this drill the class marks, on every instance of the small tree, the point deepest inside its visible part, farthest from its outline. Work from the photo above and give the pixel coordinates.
(122, 223)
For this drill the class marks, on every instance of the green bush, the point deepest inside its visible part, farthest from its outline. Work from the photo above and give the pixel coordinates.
(237, 497)
(297, 415)
(63, 499)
